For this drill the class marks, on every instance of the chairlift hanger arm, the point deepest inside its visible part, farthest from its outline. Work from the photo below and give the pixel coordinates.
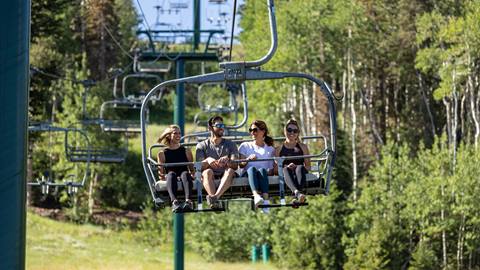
(273, 36)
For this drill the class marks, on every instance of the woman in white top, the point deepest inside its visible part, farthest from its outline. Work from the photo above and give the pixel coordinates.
(258, 171)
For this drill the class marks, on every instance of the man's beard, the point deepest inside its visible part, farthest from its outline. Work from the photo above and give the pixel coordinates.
(218, 133)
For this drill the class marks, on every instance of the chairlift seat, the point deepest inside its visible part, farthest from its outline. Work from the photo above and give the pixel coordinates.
(241, 188)
(121, 126)
(95, 155)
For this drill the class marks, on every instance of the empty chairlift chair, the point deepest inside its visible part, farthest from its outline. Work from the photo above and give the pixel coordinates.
(232, 130)
(72, 178)
(121, 113)
(80, 149)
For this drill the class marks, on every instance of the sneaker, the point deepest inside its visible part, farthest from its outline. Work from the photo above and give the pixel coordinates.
(266, 210)
(257, 200)
(176, 205)
(213, 202)
(295, 203)
(300, 197)
(188, 205)
(209, 201)
(216, 203)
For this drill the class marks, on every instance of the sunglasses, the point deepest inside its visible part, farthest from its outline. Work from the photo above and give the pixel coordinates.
(219, 125)
(292, 130)
(253, 130)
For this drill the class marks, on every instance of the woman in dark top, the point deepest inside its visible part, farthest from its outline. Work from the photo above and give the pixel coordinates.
(294, 170)
(175, 153)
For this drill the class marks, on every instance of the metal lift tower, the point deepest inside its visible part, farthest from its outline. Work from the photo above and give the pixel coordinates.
(14, 80)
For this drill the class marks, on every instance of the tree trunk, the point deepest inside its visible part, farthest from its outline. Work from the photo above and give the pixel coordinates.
(397, 115)
(427, 104)
(461, 231)
(91, 194)
(345, 99)
(301, 109)
(377, 139)
(351, 85)
(29, 173)
(444, 234)
(448, 125)
(455, 119)
(473, 108)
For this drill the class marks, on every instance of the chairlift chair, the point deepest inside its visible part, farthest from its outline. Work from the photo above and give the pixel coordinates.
(179, 4)
(127, 103)
(120, 124)
(137, 95)
(79, 149)
(217, 1)
(242, 72)
(231, 131)
(240, 187)
(71, 182)
(232, 106)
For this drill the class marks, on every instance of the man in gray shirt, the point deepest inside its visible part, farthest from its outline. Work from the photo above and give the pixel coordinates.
(217, 155)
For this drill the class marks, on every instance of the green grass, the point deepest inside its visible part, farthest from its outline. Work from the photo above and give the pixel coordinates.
(59, 245)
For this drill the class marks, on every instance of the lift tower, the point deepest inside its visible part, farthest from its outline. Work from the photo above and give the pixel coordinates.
(14, 79)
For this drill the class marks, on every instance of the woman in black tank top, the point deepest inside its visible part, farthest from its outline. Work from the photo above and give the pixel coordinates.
(175, 153)
(294, 170)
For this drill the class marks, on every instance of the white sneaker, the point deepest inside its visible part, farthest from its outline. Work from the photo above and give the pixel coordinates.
(266, 210)
(257, 199)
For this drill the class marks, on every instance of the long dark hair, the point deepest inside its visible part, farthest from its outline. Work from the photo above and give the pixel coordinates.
(263, 126)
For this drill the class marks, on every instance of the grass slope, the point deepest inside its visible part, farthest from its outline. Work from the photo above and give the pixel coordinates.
(58, 245)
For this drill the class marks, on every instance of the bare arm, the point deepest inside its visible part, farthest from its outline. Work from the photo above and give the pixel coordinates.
(306, 152)
(275, 165)
(161, 169)
(207, 162)
(242, 164)
(188, 152)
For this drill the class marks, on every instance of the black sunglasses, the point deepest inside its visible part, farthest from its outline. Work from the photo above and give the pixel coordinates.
(219, 125)
(253, 130)
(292, 130)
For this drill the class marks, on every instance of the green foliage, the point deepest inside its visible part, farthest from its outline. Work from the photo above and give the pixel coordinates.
(228, 236)
(155, 228)
(409, 203)
(310, 238)
(424, 258)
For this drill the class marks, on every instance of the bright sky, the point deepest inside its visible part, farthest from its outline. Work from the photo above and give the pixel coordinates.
(178, 14)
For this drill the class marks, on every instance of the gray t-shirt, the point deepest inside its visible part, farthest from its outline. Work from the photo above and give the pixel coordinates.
(208, 149)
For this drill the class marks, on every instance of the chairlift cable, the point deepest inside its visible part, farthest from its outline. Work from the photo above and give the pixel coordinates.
(116, 41)
(58, 77)
(145, 21)
(233, 28)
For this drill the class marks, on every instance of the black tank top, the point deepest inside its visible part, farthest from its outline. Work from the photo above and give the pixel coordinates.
(296, 151)
(174, 156)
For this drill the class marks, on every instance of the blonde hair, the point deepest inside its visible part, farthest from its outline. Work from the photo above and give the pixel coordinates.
(165, 137)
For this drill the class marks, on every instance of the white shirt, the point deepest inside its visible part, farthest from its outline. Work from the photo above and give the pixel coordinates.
(248, 148)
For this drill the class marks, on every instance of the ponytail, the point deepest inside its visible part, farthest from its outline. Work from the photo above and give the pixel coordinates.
(268, 140)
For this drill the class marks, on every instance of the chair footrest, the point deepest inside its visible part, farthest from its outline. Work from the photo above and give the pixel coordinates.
(294, 205)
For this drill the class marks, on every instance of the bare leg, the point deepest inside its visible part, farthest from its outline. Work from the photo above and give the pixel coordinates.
(171, 179)
(226, 182)
(207, 180)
